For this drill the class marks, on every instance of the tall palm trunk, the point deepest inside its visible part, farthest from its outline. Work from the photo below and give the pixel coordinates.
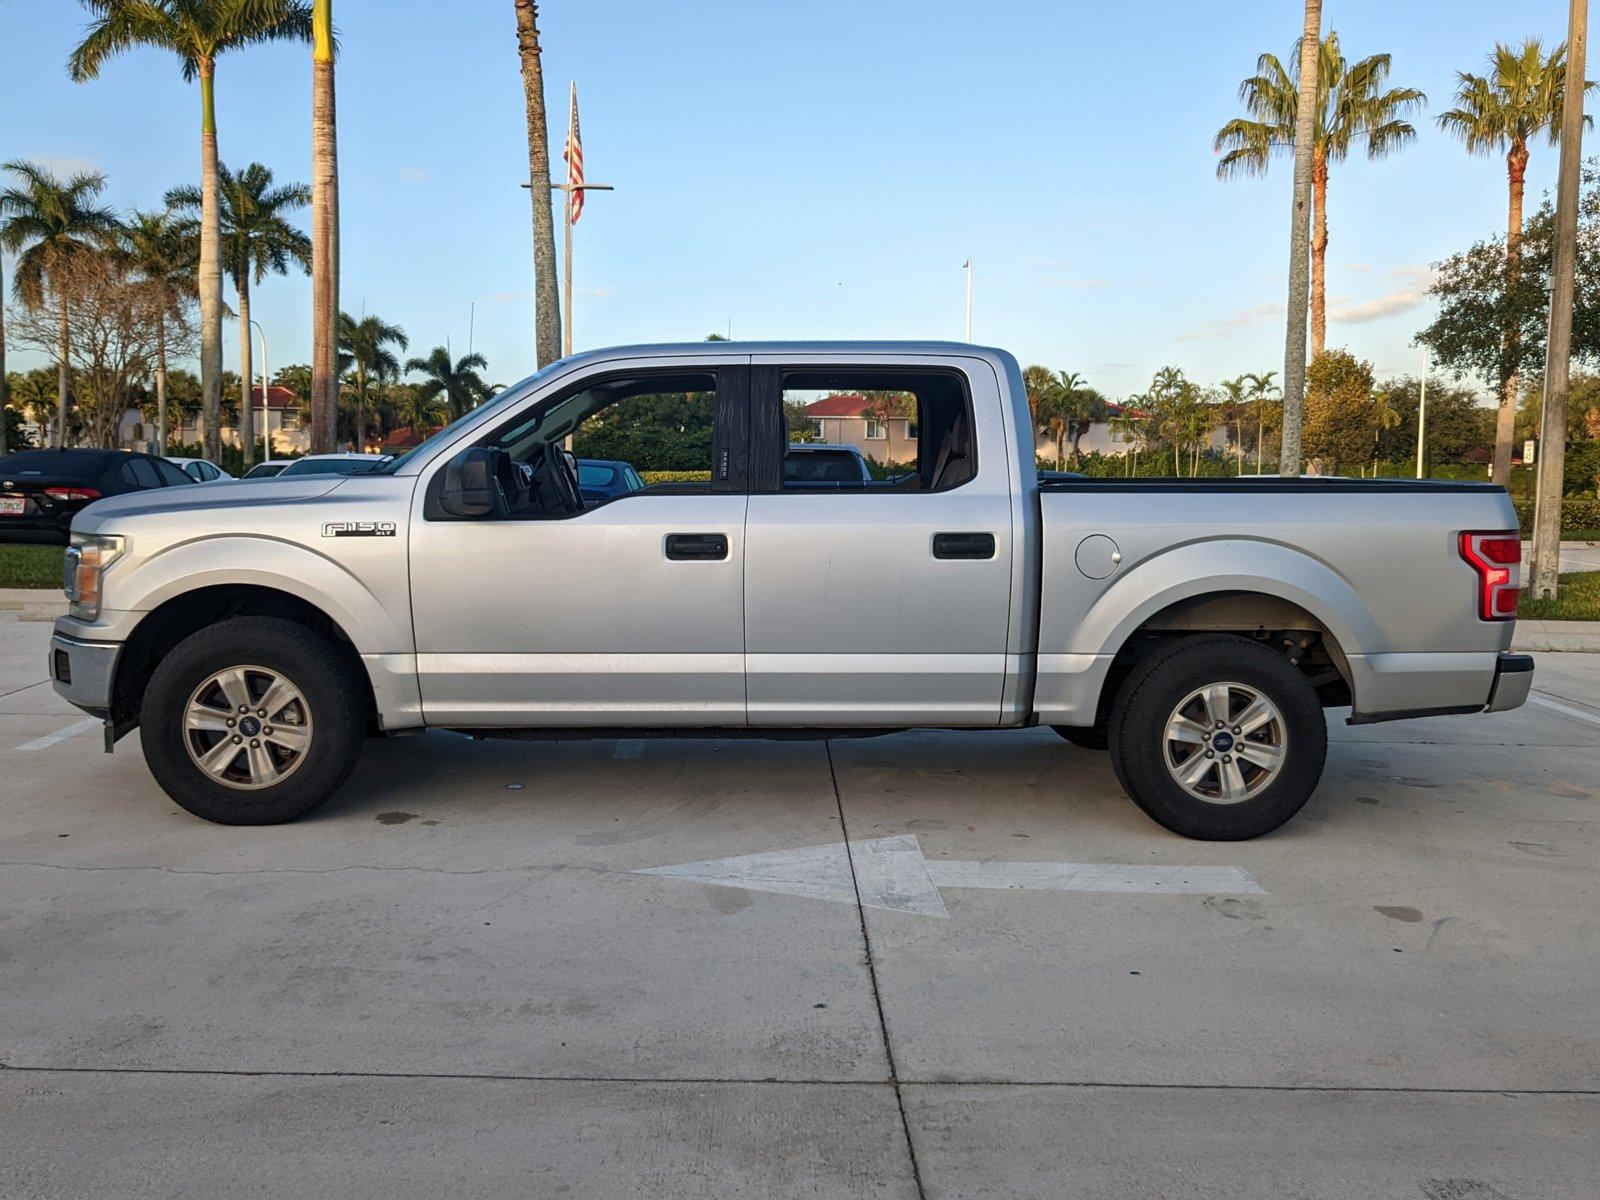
(1319, 253)
(324, 233)
(247, 420)
(1506, 419)
(210, 273)
(361, 407)
(161, 384)
(546, 302)
(61, 378)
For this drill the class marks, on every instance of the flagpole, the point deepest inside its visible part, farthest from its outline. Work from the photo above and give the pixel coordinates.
(968, 266)
(566, 275)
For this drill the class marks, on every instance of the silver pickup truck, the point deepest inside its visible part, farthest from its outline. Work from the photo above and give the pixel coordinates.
(1196, 629)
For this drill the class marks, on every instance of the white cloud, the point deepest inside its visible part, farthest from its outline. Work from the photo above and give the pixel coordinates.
(1400, 301)
(597, 291)
(65, 167)
(1238, 319)
(1075, 283)
(413, 174)
(507, 297)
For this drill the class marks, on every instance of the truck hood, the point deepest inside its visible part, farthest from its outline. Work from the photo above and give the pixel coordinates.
(213, 498)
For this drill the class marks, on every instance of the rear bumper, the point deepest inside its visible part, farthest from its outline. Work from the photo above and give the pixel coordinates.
(1513, 680)
(82, 672)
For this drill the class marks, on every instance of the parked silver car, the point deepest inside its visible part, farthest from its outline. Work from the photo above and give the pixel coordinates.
(1198, 628)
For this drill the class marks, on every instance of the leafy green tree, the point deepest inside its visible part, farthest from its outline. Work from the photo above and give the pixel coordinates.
(257, 239)
(1265, 398)
(1081, 405)
(1343, 418)
(197, 31)
(47, 223)
(1494, 326)
(1456, 422)
(668, 432)
(366, 343)
(1354, 104)
(1518, 101)
(457, 384)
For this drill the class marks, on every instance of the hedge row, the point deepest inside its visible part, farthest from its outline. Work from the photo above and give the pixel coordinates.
(1575, 515)
(675, 476)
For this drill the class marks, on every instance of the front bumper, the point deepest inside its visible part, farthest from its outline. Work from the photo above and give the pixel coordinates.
(1513, 680)
(83, 672)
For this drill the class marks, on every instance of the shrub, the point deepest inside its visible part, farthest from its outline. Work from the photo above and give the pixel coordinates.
(1575, 515)
(651, 477)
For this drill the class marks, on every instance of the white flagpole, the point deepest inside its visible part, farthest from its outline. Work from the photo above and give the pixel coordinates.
(968, 266)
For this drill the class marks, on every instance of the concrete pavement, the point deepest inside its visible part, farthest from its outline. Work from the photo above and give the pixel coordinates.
(454, 979)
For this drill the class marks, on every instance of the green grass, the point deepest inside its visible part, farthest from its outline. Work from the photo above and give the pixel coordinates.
(30, 566)
(1577, 599)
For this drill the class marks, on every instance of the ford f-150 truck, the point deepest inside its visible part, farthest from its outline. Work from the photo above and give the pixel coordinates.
(1196, 628)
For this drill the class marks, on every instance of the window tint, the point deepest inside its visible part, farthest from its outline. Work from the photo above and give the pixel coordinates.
(596, 475)
(914, 428)
(170, 474)
(140, 472)
(59, 464)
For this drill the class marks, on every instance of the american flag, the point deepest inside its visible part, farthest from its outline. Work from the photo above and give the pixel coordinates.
(574, 156)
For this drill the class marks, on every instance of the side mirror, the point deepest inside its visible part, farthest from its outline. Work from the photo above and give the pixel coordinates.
(469, 483)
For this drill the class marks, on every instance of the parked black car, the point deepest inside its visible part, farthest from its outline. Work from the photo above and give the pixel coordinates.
(42, 490)
(601, 479)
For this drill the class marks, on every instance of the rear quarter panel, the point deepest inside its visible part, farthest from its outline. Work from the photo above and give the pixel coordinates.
(1379, 568)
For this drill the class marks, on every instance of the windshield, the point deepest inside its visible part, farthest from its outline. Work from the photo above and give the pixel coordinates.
(515, 391)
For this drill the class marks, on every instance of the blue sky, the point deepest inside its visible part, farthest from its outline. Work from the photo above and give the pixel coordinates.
(818, 170)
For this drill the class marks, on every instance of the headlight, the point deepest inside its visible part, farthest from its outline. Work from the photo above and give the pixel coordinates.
(86, 561)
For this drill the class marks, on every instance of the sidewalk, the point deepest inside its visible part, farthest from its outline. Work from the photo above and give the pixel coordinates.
(34, 604)
(1575, 556)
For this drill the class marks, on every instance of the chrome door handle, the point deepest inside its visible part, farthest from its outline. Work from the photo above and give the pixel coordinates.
(697, 547)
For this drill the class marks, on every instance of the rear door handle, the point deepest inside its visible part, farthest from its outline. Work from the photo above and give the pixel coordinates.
(697, 547)
(963, 545)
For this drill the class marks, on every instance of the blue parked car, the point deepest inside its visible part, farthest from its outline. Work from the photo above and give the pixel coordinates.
(602, 479)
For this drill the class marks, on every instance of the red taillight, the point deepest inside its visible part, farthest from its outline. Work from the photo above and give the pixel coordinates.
(72, 493)
(1496, 557)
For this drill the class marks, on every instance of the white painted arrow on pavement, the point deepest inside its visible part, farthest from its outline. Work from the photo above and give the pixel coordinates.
(891, 873)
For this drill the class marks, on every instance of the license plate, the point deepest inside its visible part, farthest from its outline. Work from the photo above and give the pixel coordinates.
(12, 506)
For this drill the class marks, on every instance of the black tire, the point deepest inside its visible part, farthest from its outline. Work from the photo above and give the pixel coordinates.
(1095, 737)
(325, 678)
(1149, 698)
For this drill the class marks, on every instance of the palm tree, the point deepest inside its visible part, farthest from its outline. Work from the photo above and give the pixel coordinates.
(197, 31)
(365, 342)
(324, 393)
(1259, 387)
(256, 240)
(1037, 383)
(1352, 105)
(1517, 101)
(45, 222)
(457, 384)
(546, 302)
(164, 257)
(421, 409)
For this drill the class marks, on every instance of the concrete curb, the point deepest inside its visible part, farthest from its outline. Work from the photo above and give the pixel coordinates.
(1583, 636)
(33, 604)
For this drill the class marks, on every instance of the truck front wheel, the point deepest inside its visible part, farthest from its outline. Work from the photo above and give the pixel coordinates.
(252, 721)
(1217, 737)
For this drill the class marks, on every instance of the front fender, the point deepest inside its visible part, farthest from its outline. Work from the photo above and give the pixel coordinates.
(369, 607)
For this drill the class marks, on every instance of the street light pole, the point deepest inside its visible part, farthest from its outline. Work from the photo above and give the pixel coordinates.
(1558, 344)
(1422, 411)
(967, 266)
(266, 430)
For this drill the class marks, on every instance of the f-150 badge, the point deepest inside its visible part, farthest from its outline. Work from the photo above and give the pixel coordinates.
(358, 529)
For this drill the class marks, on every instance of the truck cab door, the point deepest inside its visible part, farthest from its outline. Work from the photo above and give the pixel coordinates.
(887, 602)
(628, 612)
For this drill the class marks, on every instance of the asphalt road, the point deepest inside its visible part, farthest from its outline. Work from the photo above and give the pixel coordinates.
(463, 977)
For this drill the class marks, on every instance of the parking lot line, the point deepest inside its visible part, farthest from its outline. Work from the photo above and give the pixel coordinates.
(61, 735)
(1576, 714)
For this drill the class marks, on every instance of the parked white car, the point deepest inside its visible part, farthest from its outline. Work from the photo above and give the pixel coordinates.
(201, 470)
(267, 469)
(347, 463)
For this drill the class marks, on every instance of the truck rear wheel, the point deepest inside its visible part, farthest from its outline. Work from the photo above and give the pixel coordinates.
(1219, 738)
(252, 721)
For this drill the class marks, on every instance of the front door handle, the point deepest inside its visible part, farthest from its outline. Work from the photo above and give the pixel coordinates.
(963, 545)
(697, 547)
